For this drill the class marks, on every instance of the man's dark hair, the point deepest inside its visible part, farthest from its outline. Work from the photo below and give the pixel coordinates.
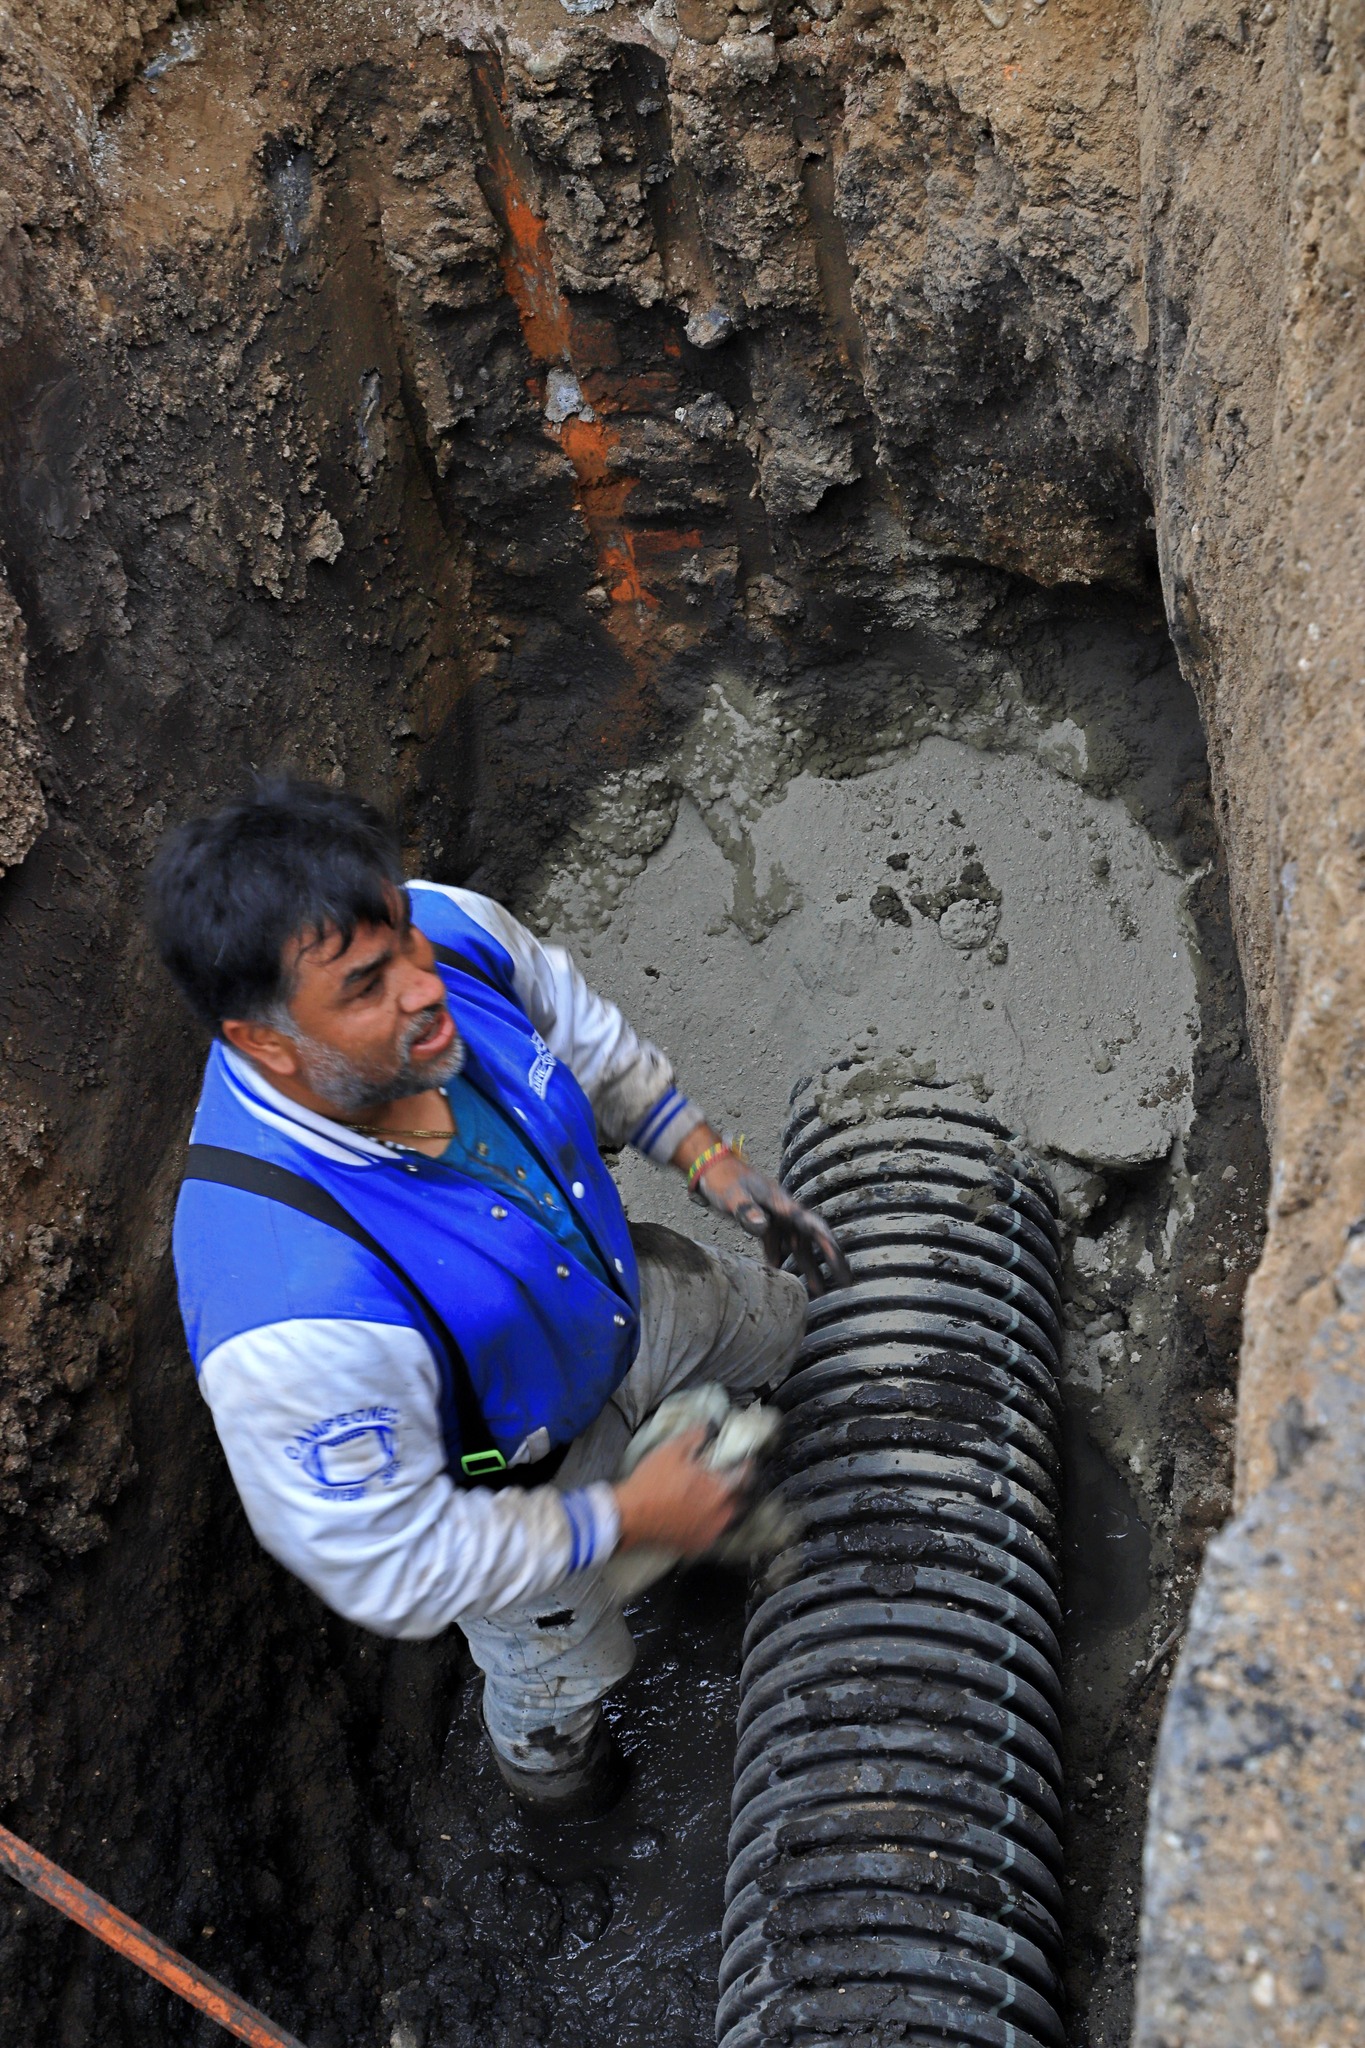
(228, 892)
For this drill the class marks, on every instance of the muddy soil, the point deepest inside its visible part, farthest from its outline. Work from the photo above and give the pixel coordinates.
(375, 1882)
(854, 314)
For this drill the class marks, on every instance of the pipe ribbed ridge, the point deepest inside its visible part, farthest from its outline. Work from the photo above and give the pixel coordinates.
(895, 1867)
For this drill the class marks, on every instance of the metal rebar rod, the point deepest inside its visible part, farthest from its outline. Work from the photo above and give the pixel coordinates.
(48, 1881)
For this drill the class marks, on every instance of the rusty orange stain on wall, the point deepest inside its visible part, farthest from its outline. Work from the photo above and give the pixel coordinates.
(529, 269)
(602, 494)
(557, 337)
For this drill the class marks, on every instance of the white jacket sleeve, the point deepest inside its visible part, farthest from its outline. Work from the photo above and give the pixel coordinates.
(332, 1432)
(628, 1081)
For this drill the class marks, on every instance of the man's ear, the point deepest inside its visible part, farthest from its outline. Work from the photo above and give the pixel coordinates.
(265, 1045)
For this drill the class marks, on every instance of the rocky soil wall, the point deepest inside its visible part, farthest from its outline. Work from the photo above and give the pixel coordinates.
(426, 396)
(1254, 1926)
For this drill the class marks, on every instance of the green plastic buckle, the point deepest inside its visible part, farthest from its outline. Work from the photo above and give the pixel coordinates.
(476, 1463)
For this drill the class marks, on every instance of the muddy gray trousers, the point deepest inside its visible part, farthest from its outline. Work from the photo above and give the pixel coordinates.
(704, 1316)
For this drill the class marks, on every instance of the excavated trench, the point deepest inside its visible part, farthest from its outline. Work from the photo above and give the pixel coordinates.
(845, 744)
(830, 865)
(926, 889)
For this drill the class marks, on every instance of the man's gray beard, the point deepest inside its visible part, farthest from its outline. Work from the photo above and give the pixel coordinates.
(347, 1088)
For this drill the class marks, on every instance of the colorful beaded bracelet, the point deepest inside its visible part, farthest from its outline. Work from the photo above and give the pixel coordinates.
(720, 1150)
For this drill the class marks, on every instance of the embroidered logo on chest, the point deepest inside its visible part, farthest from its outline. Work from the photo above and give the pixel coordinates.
(541, 1067)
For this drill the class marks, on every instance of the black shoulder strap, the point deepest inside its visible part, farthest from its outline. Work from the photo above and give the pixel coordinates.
(480, 1458)
(448, 957)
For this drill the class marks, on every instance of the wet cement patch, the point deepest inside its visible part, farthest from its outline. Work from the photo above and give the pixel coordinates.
(963, 914)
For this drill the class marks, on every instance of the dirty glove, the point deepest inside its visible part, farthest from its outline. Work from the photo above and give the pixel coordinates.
(730, 1184)
(736, 1436)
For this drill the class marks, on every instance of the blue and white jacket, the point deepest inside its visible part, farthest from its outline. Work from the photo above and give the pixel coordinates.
(327, 1392)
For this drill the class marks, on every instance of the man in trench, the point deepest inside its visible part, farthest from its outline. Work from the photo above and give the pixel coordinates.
(422, 1323)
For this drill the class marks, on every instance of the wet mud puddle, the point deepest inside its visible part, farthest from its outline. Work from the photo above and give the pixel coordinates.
(607, 1932)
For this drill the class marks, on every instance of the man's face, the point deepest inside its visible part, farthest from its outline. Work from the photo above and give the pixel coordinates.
(371, 1022)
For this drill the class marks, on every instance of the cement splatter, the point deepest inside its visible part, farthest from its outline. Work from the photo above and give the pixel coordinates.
(954, 913)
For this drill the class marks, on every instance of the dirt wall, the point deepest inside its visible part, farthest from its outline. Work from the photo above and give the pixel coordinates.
(1254, 1925)
(423, 396)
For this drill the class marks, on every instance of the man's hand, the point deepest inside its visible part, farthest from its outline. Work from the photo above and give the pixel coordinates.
(671, 1501)
(735, 1187)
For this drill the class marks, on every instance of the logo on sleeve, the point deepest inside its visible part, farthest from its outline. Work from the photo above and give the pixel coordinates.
(345, 1455)
(541, 1067)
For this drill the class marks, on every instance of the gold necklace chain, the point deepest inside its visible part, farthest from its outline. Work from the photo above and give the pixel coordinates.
(384, 1137)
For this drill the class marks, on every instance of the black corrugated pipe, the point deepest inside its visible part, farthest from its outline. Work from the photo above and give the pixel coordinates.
(894, 1860)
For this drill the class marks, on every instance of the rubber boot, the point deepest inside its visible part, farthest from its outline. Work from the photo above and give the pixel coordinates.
(583, 1782)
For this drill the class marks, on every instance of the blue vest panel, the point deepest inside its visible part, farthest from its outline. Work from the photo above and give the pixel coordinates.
(546, 1339)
